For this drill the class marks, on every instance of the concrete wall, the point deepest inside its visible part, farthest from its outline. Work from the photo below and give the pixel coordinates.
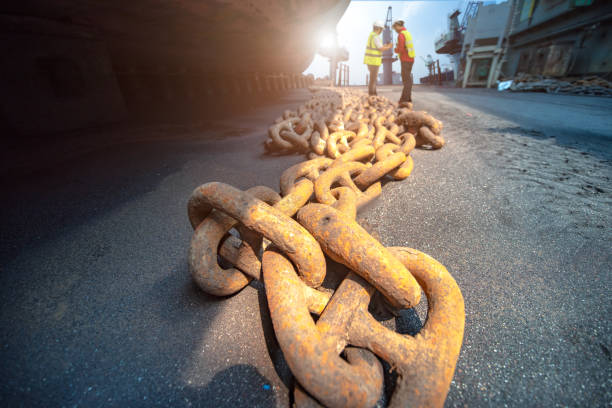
(54, 77)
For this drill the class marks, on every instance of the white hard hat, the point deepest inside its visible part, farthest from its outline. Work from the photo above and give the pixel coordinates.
(398, 20)
(379, 23)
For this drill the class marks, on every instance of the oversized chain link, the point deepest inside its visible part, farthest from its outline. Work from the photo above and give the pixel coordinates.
(353, 142)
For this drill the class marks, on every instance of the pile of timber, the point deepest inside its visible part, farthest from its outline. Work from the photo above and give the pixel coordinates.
(590, 85)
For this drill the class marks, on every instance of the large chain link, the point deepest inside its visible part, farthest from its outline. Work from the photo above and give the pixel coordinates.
(354, 142)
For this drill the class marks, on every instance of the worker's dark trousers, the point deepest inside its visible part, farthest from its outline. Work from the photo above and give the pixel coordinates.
(373, 78)
(407, 81)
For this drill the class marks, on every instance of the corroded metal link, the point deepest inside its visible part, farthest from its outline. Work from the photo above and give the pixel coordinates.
(380, 169)
(386, 150)
(301, 399)
(334, 359)
(243, 254)
(427, 137)
(402, 171)
(256, 215)
(361, 142)
(416, 119)
(276, 141)
(363, 152)
(298, 141)
(205, 270)
(313, 357)
(246, 262)
(346, 242)
(346, 201)
(363, 131)
(310, 169)
(342, 174)
(426, 362)
(383, 135)
(342, 137)
(409, 142)
(317, 143)
(296, 199)
(321, 127)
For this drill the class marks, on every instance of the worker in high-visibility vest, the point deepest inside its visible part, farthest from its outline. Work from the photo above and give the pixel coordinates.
(405, 50)
(373, 54)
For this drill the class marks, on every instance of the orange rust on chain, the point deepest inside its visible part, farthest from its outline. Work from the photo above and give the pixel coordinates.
(209, 232)
(256, 215)
(346, 201)
(317, 144)
(322, 128)
(242, 254)
(402, 171)
(380, 169)
(274, 133)
(360, 142)
(206, 272)
(296, 198)
(340, 137)
(310, 169)
(301, 399)
(342, 174)
(346, 242)
(370, 138)
(426, 362)
(246, 262)
(418, 119)
(244, 257)
(409, 142)
(311, 350)
(427, 137)
(359, 153)
(298, 141)
(363, 131)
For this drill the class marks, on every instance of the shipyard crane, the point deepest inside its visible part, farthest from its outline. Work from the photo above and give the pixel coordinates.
(387, 60)
(470, 11)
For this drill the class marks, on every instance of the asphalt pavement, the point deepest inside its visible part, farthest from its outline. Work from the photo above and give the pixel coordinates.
(98, 307)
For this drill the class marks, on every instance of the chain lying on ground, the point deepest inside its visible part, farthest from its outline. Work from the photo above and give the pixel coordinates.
(353, 142)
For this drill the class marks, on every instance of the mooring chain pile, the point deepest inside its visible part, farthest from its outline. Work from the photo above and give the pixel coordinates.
(353, 142)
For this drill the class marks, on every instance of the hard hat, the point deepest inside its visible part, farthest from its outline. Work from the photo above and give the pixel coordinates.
(398, 21)
(379, 23)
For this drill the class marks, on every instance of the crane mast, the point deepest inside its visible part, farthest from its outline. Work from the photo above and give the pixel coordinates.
(387, 60)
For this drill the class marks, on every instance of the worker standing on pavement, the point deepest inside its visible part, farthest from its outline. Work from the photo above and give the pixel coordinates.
(373, 55)
(405, 50)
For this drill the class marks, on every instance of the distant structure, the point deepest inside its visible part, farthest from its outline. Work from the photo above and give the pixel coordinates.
(336, 54)
(450, 42)
(388, 58)
(560, 38)
(543, 37)
(396, 79)
(484, 44)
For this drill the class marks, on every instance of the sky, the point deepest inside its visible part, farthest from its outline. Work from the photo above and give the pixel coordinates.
(425, 20)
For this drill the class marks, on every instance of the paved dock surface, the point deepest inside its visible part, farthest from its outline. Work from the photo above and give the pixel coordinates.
(98, 308)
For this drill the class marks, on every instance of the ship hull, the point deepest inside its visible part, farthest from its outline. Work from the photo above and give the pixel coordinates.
(105, 60)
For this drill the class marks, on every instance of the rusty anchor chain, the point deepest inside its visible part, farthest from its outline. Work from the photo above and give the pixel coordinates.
(353, 142)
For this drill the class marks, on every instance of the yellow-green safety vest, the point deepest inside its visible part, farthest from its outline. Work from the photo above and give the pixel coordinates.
(408, 42)
(373, 56)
